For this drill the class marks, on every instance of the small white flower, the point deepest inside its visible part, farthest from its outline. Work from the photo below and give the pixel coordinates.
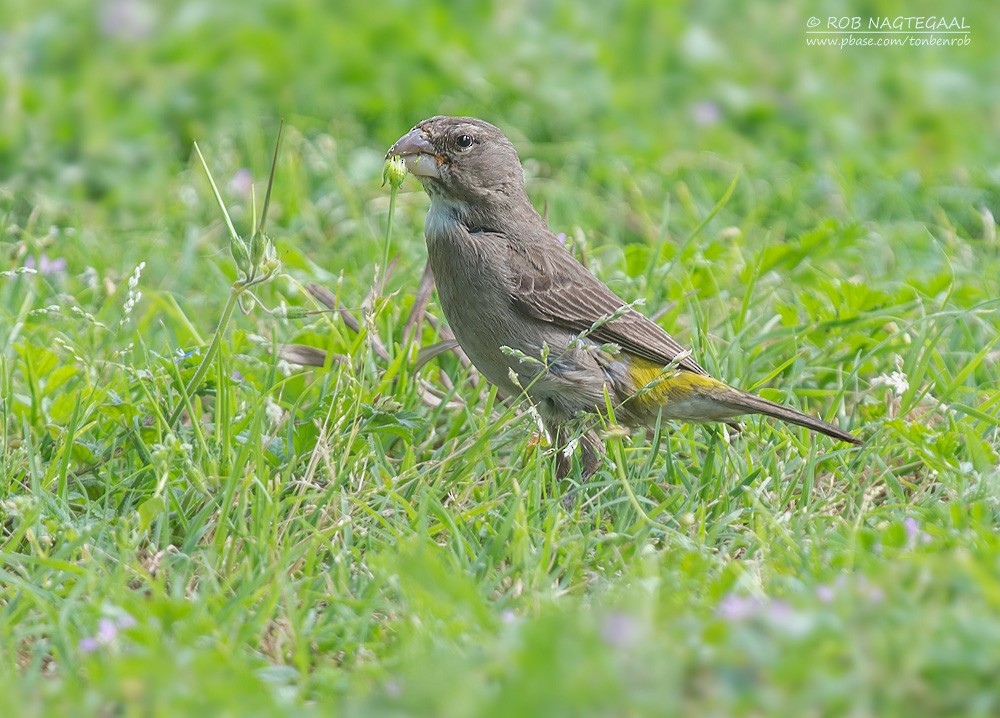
(273, 411)
(188, 196)
(896, 381)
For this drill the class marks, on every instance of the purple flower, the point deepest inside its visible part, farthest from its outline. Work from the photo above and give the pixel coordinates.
(89, 644)
(855, 584)
(107, 632)
(738, 608)
(913, 533)
(875, 594)
(825, 593)
(869, 591)
(127, 19)
(779, 611)
(126, 622)
(706, 113)
(49, 267)
(618, 630)
(773, 613)
(241, 182)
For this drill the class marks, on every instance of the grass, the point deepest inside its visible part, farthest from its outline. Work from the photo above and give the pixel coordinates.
(384, 537)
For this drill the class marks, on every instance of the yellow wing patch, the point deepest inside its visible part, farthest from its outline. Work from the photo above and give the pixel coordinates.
(656, 387)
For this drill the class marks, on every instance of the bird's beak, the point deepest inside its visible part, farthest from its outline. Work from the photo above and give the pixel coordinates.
(418, 153)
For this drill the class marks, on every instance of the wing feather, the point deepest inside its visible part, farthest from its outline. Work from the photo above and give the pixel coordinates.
(551, 285)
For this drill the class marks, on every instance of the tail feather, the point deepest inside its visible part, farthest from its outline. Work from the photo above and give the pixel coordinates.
(756, 405)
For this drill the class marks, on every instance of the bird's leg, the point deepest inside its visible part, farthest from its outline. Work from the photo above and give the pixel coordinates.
(564, 459)
(591, 453)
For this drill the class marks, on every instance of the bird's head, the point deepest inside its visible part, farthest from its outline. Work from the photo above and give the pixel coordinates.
(462, 159)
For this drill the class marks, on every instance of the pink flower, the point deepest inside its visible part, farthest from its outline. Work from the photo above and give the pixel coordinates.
(738, 608)
(618, 630)
(241, 182)
(706, 113)
(49, 267)
(107, 632)
(913, 533)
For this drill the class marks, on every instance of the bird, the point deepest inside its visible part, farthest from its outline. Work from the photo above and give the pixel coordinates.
(536, 322)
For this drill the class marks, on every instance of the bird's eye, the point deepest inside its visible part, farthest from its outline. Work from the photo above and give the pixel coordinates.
(464, 142)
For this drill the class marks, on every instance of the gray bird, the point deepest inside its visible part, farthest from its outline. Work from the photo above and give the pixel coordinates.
(506, 282)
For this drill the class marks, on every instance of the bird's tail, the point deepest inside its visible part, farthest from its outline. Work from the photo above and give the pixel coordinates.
(751, 404)
(687, 396)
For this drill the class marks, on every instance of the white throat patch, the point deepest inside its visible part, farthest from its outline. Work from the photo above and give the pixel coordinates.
(441, 216)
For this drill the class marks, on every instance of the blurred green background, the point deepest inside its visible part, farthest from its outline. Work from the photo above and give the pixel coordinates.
(102, 101)
(863, 222)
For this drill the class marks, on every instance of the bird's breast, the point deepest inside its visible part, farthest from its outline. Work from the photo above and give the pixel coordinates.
(472, 281)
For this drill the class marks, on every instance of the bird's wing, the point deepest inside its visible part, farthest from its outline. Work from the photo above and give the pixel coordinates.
(549, 284)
